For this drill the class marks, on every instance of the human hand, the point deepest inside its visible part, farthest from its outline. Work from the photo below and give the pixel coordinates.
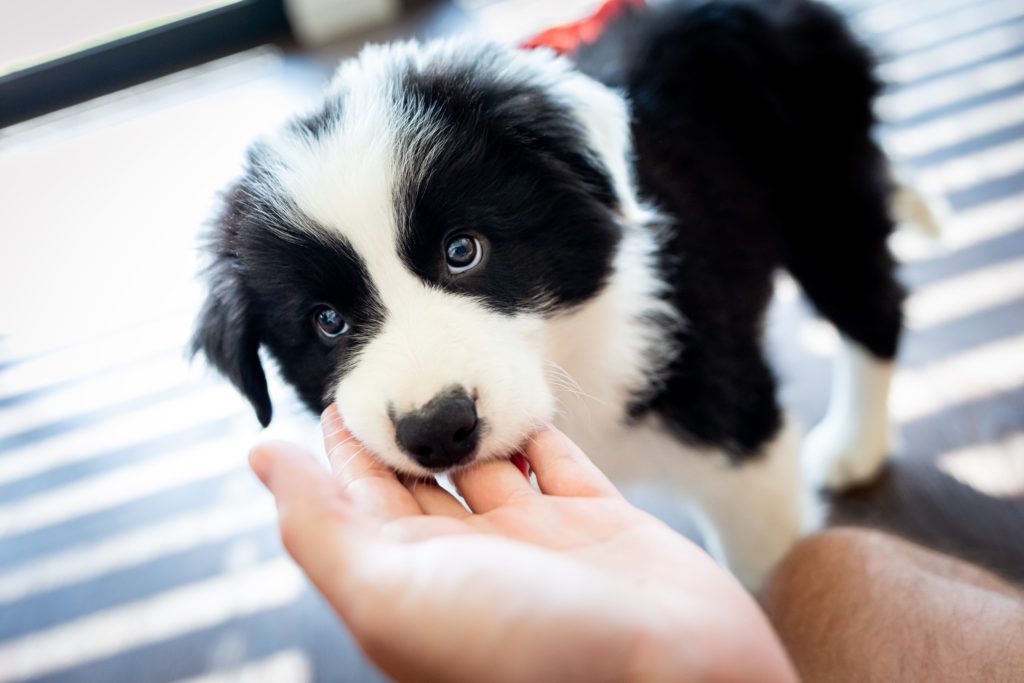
(570, 584)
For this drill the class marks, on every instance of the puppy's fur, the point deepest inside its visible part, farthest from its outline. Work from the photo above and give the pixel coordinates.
(632, 205)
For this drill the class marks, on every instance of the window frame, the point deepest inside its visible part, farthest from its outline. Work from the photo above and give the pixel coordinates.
(139, 57)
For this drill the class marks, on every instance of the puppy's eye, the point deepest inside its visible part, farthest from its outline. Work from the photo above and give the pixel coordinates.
(462, 253)
(329, 322)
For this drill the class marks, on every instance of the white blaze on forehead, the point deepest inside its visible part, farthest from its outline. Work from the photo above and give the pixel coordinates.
(346, 178)
(349, 181)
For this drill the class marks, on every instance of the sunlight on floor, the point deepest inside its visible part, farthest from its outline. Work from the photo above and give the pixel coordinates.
(994, 468)
(286, 667)
(160, 617)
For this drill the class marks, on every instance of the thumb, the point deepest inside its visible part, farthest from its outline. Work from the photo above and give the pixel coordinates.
(320, 529)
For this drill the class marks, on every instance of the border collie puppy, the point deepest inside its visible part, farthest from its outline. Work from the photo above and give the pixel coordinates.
(468, 240)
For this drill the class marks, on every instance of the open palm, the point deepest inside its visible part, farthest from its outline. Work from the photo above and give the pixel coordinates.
(567, 583)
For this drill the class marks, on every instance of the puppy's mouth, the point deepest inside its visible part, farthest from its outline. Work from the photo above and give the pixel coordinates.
(521, 463)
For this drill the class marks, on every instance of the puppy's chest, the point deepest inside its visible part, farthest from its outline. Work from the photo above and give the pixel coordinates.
(595, 382)
(611, 353)
(627, 453)
(593, 410)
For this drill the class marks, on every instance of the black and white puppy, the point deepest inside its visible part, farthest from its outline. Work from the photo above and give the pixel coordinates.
(467, 241)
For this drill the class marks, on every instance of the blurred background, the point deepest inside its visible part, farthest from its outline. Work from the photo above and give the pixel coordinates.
(134, 543)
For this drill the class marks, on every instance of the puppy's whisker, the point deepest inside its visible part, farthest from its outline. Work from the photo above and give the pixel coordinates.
(577, 388)
(338, 446)
(561, 380)
(341, 468)
(342, 443)
(328, 435)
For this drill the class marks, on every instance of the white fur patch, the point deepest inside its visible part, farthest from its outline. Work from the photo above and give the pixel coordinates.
(611, 350)
(850, 444)
(750, 514)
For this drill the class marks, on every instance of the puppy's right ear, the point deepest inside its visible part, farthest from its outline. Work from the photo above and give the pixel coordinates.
(227, 334)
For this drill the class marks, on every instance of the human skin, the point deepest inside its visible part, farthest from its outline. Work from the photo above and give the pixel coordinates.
(567, 583)
(858, 606)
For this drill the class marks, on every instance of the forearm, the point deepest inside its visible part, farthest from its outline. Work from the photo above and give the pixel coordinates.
(857, 605)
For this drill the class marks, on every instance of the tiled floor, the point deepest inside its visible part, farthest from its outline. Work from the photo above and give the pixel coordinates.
(134, 543)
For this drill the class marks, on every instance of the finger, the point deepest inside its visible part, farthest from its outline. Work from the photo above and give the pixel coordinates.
(367, 481)
(491, 484)
(433, 499)
(563, 469)
(318, 527)
(349, 459)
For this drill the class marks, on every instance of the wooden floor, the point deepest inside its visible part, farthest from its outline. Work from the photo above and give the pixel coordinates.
(134, 543)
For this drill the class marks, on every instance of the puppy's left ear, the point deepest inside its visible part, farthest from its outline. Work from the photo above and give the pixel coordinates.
(227, 334)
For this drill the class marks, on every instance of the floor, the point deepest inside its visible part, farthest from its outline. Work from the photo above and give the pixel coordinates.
(134, 543)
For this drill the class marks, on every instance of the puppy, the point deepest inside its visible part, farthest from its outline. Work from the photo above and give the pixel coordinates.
(467, 241)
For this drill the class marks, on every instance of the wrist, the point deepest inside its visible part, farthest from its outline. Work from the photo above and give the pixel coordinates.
(684, 640)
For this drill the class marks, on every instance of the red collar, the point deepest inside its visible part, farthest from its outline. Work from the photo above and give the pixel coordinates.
(565, 38)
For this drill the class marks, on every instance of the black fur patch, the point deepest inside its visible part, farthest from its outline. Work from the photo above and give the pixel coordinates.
(752, 125)
(267, 277)
(512, 168)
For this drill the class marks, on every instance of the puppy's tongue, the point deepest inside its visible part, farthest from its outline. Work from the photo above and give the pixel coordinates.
(519, 460)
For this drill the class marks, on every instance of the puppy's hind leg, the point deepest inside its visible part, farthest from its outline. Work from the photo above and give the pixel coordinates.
(837, 251)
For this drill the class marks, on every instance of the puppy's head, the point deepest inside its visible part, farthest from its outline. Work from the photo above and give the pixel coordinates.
(404, 250)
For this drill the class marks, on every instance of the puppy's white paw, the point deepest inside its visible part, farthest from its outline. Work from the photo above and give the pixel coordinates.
(837, 458)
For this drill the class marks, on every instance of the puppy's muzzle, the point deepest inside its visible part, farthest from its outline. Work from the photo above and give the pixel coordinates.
(443, 433)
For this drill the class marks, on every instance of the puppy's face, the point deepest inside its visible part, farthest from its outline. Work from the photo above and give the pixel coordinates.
(403, 251)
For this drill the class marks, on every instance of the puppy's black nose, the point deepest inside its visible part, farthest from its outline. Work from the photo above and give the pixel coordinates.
(442, 433)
